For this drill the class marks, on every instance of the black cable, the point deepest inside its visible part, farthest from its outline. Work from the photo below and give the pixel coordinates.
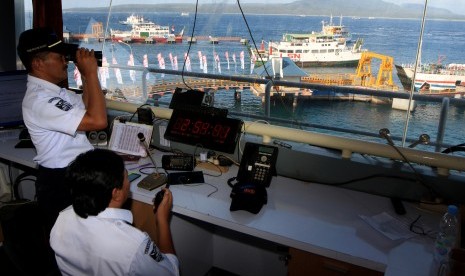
(459, 147)
(264, 67)
(418, 176)
(253, 41)
(133, 114)
(190, 45)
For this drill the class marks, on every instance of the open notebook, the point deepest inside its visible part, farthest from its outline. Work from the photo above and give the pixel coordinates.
(124, 137)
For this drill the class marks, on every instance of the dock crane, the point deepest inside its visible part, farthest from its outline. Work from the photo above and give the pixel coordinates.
(384, 76)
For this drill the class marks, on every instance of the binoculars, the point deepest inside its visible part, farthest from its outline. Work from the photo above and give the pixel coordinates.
(71, 54)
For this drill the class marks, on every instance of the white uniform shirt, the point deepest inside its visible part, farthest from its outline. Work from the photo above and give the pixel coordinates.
(107, 244)
(52, 116)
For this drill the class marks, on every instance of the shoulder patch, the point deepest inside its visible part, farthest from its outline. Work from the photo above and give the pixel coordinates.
(61, 104)
(155, 253)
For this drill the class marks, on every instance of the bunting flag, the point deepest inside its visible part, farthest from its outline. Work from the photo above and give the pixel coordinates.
(242, 60)
(172, 61)
(132, 73)
(253, 59)
(217, 58)
(105, 67)
(188, 62)
(103, 73)
(226, 54)
(119, 78)
(102, 77)
(146, 65)
(161, 63)
(204, 58)
(175, 62)
(235, 64)
(77, 77)
(215, 61)
(200, 60)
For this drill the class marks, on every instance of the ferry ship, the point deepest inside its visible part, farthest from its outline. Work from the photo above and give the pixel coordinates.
(340, 32)
(144, 31)
(432, 77)
(317, 49)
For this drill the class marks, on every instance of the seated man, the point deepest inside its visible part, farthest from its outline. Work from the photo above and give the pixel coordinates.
(94, 236)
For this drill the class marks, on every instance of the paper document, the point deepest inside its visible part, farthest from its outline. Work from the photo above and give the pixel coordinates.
(124, 137)
(389, 226)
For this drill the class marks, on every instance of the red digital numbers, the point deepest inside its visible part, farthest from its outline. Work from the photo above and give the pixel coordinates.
(201, 128)
(182, 124)
(220, 132)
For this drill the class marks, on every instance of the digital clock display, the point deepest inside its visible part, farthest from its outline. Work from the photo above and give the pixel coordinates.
(197, 128)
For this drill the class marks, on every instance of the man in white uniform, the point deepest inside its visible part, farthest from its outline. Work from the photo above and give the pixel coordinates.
(94, 236)
(55, 117)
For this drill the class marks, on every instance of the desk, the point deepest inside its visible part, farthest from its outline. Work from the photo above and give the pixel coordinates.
(20, 156)
(314, 218)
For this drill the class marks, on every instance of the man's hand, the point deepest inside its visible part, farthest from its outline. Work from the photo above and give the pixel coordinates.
(86, 62)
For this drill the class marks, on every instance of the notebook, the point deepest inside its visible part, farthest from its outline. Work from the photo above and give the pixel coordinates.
(124, 137)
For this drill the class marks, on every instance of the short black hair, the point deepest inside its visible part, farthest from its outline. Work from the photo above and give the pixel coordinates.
(92, 177)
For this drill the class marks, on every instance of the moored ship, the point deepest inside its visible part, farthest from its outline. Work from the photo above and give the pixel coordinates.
(432, 77)
(317, 49)
(144, 31)
(339, 32)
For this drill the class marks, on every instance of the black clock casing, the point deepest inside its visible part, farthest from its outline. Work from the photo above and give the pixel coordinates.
(204, 129)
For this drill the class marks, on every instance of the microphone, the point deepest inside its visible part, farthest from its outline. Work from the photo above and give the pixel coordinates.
(141, 137)
(153, 180)
(386, 134)
(423, 139)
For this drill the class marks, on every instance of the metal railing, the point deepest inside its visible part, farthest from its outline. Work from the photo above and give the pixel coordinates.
(444, 163)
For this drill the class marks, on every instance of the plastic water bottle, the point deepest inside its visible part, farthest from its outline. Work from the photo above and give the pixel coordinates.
(447, 235)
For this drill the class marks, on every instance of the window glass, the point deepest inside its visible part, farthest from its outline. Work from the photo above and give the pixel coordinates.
(234, 39)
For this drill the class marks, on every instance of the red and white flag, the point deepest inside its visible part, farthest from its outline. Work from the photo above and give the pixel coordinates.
(146, 65)
(132, 73)
(226, 54)
(171, 61)
(77, 77)
(235, 64)
(105, 67)
(218, 63)
(103, 73)
(175, 62)
(253, 59)
(242, 60)
(161, 63)
(200, 60)
(188, 62)
(205, 70)
(119, 78)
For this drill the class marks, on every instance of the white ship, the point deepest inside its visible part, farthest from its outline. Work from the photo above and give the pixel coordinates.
(317, 49)
(432, 77)
(340, 31)
(144, 31)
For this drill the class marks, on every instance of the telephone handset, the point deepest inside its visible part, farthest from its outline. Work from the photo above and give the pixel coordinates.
(258, 164)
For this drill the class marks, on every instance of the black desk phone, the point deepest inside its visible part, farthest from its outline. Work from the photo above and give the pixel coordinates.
(258, 164)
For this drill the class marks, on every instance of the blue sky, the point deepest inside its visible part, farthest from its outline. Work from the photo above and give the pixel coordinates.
(454, 5)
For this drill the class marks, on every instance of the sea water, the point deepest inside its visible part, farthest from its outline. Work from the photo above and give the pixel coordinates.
(393, 37)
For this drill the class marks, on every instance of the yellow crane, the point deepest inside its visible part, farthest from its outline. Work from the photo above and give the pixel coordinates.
(384, 76)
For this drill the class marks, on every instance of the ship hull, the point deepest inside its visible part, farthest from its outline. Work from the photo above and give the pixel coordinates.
(429, 81)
